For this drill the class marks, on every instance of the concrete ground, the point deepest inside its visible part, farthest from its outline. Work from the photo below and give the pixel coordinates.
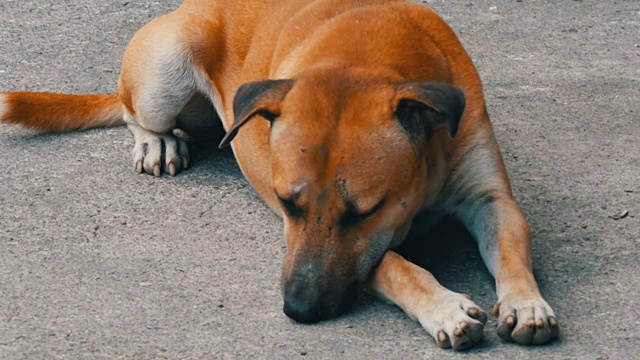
(97, 261)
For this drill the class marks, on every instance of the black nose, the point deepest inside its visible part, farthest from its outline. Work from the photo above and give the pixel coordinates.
(306, 302)
(303, 302)
(303, 312)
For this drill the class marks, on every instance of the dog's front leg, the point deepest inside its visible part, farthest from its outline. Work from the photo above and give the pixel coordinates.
(505, 244)
(451, 318)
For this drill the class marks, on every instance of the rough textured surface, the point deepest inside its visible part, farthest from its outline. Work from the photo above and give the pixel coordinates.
(97, 261)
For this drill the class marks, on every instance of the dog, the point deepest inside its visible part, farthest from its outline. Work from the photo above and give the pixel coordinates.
(351, 118)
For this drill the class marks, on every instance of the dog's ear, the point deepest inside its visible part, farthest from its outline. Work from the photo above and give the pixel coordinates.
(422, 108)
(261, 98)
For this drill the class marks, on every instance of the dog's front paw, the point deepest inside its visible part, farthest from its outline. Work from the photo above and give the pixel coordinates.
(526, 321)
(156, 153)
(453, 320)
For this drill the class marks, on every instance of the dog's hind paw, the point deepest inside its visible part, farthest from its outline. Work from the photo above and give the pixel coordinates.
(155, 153)
(454, 321)
(526, 321)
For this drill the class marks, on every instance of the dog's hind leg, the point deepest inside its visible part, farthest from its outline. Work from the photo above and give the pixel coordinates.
(158, 85)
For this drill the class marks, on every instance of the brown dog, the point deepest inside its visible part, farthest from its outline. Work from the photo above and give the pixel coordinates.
(354, 118)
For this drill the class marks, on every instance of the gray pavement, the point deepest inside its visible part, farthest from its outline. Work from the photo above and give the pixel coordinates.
(97, 261)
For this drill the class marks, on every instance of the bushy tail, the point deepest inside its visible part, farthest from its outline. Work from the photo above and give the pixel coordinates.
(56, 113)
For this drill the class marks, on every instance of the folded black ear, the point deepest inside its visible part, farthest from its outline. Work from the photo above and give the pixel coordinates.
(261, 98)
(422, 108)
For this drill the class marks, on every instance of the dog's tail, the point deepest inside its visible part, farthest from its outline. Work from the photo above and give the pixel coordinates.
(56, 113)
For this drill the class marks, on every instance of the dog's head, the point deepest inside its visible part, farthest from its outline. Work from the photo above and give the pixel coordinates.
(349, 164)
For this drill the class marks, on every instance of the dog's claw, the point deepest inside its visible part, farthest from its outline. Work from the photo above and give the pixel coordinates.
(154, 153)
(454, 321)
(443, 340)
(531, 323)
(527, 322)
(478, 315)
(496, 310)
(458, 332)
(464, 326)
(555, 328)
(505, 329)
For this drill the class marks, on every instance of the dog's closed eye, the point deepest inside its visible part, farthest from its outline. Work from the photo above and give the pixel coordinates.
(290, 207)
(353, 216)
